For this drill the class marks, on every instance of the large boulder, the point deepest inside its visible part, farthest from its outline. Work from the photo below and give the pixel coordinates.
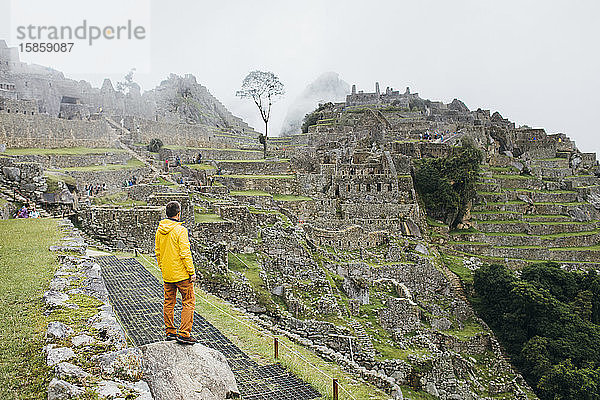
(62, 390)
(175, 371)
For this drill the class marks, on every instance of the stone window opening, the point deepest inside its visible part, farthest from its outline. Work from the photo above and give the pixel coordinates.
(379, 187)
(368, 187)
(348, 188)
(389, 187)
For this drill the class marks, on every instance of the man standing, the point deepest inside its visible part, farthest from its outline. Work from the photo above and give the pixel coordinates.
(172, 248)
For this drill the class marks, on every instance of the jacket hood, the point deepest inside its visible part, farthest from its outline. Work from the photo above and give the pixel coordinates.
(166, 225)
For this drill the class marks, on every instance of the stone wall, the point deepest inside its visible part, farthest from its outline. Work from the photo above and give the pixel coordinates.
(187, 208)
(27, 178)
(351, 238)
(188, 155)
(286, 185)
(122, 227)
(112, 178)
(141, 192)
(76, 160)
(40, 130)
(275, 167)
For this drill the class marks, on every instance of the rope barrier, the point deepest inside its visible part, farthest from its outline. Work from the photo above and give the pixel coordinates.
(261, 331)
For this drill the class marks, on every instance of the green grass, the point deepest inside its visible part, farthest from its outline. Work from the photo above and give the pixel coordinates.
(470, 329)
(202, 218)
(456, 265)
(163, 181)
(502, 221)
(118, 199)
(249, 193)
(570, 234)
(131, 163)
(258, 344)
(26, 267)
(53, 177)
(587, 248)
(200, 166)
(62, 151)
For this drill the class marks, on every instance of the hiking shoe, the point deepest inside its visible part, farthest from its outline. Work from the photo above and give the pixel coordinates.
(171, 336)
(186, 339)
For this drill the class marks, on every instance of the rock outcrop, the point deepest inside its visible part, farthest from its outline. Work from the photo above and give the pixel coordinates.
(193, 372)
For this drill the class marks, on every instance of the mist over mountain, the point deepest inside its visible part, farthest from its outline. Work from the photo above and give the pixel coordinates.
(327, 87)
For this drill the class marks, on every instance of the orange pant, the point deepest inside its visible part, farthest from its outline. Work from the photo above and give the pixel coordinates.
(186, 288)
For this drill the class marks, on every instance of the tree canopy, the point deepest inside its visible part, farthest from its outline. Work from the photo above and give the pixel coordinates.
(548, 321)
(262, 87)
(446, 185)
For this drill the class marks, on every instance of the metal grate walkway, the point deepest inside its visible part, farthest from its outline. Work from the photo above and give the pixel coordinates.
(137, 298)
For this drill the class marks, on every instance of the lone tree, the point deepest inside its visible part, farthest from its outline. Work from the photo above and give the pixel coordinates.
(263, 88)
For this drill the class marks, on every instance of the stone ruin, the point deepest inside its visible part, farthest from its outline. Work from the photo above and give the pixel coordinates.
(336, 245)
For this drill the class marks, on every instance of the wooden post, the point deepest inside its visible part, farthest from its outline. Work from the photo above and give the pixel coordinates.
(276, 344)
(335, 389)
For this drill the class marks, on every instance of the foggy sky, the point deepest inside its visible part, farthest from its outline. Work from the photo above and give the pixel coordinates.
(536, 62)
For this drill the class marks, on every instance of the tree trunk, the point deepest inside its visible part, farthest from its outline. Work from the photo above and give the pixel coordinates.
(265, 142)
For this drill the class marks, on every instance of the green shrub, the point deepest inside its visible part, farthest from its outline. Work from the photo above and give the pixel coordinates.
(155, 145)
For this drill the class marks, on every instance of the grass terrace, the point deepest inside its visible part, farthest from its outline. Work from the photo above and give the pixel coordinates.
(118, 199)
(249, 193)
(201, 216)
(26, 267)
(200, 166)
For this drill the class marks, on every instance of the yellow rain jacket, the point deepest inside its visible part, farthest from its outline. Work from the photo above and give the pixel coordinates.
(172, 249)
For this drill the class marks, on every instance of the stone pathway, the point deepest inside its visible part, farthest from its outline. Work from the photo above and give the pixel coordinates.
(137, 297)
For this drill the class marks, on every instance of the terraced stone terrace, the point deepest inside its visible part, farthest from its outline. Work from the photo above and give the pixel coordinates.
(541, 216)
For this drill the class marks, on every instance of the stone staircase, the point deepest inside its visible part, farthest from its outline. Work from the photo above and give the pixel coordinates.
(362, 338)
(121, 135)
